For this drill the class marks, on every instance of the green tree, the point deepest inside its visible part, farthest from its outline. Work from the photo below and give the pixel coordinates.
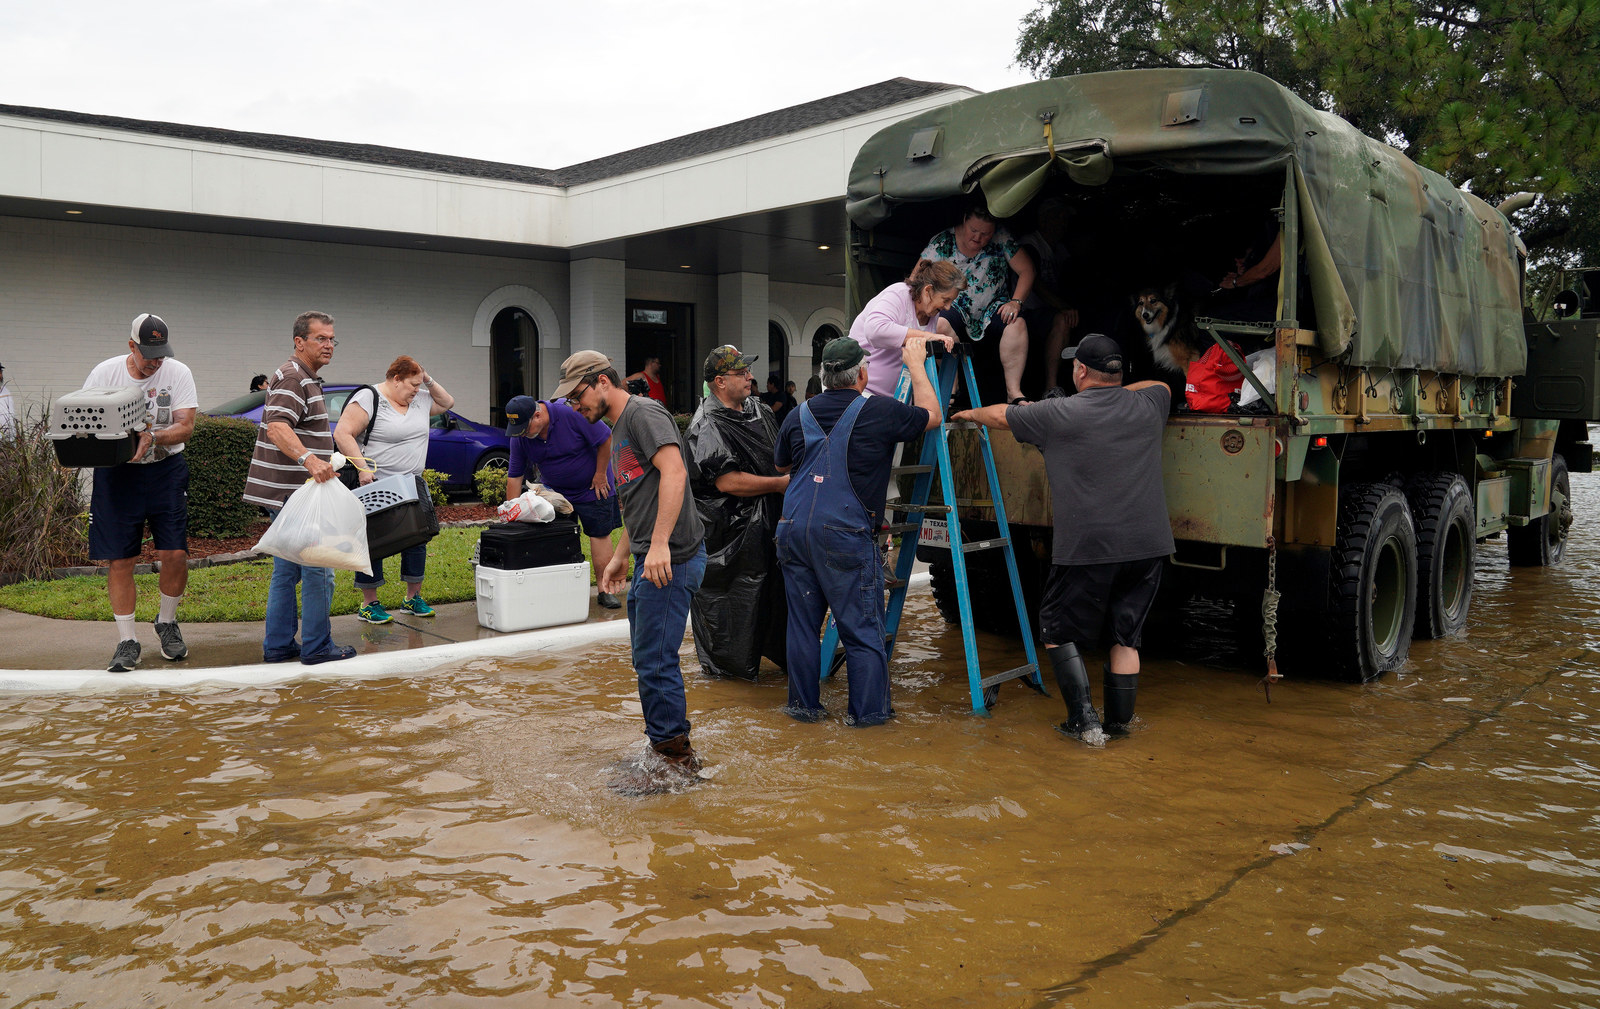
(1500, 96)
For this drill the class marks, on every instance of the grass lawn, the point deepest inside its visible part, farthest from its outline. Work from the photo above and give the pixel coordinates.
(239, 591)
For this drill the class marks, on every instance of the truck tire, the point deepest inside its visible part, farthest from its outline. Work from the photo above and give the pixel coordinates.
(993, 608)
(1442, 508)
(1373, 585)
(1543, 541)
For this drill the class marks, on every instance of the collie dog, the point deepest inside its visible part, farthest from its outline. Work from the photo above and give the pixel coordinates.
(1168, 329)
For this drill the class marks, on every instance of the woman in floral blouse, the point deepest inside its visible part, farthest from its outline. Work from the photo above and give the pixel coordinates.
(985, 253)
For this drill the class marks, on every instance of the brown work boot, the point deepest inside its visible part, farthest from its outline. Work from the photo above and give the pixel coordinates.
(677, 752)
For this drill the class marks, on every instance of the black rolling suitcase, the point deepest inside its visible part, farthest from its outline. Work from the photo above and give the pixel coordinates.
(517, 545)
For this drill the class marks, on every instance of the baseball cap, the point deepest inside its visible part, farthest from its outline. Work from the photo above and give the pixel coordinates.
(842, 354)
(724, 359)
(150, 333)
(518, 413)
(1097, 352)
(584, 364)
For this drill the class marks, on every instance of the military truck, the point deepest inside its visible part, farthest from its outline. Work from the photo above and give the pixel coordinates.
(1410, 408)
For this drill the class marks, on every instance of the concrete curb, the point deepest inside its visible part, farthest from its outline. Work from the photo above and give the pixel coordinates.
(373, 665)
(377, 664)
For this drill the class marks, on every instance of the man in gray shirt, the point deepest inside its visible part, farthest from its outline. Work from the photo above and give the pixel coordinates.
(1102, 454)
(663, 534)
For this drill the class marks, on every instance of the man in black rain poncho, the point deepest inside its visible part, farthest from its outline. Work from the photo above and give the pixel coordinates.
(739, 614)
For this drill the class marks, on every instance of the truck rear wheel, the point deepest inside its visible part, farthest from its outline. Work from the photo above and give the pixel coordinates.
(993, 607)
(1373, 585)
(1543, 541)
(1442, 508)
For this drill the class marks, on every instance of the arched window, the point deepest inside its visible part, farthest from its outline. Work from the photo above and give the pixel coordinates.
(514, 360)
(818, 341)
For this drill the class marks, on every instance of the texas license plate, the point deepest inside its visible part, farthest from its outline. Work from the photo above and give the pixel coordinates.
(935, 533)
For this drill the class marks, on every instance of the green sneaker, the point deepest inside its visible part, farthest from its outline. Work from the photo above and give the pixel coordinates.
(417, 606)
(374, 613)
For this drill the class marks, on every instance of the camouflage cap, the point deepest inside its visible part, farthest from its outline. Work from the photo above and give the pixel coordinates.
(582, 365)
(724, 359)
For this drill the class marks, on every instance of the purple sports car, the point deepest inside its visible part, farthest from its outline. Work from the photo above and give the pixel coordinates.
(457, 447)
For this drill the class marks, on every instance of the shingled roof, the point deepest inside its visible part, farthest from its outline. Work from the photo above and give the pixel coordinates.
(745, 131)
(748, 131)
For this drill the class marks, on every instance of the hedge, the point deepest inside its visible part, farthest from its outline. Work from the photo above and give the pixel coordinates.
(219, 461)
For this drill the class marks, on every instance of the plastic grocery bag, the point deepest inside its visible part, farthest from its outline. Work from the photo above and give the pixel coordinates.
(537, 504)
(322, 525)
(1264, 363)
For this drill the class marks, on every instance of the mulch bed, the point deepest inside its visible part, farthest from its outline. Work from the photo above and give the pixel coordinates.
(205, 547)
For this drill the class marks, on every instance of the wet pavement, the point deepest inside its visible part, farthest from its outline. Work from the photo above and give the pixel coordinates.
(449, 840)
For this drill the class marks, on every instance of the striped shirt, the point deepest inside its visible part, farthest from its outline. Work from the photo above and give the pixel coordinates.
(294, 397)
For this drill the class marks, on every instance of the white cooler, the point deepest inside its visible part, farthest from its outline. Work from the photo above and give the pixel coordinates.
(533, 597)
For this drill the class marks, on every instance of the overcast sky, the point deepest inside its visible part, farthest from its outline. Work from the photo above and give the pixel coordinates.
(532, 83)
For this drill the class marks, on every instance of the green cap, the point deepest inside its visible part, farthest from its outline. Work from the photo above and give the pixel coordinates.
(842, 354)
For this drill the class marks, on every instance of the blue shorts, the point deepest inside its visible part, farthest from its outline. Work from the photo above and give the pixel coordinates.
(127, 497)
(599, 518)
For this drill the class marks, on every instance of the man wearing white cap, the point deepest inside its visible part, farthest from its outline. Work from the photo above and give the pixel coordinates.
(151, 489)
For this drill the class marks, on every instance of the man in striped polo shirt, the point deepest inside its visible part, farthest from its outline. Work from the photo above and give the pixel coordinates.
(295, 441)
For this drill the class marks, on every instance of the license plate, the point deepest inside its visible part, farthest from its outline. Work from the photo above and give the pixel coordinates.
(935, 533)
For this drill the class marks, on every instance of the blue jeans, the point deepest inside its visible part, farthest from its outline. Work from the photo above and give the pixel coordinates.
(316, 590)
(656, 619)
(413, 565)
(834, 567)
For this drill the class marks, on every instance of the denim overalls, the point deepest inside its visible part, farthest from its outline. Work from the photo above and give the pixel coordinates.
(829, 557)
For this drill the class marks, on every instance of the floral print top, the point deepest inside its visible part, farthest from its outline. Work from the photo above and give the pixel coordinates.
(987, 276)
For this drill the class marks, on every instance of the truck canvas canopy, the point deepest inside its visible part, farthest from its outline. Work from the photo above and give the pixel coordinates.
(1404, 270)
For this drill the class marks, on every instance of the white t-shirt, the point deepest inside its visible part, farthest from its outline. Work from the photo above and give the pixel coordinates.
(170, 389)
(8, 413)
(399, 442)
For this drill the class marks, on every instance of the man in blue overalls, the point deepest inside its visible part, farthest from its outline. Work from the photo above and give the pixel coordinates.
(841, 445)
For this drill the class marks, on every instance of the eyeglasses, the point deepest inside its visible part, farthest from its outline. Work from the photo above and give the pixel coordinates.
(576, 395)
(327, 340)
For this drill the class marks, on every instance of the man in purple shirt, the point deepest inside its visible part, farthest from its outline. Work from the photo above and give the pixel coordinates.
(571, 456)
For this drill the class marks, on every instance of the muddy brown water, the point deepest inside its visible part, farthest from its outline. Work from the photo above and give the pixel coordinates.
(448, 840)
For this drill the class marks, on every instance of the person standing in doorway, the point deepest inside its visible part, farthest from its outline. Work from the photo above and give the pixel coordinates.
(663, 534)
(152, 488)
(650, 373)
(1102, 455)
(294, 442)
(840, 446)
(571, 455)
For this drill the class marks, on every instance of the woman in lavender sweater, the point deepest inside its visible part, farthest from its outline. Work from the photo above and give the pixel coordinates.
(904, 310)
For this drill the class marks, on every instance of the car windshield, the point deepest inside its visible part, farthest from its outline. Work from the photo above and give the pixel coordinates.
(242, 404)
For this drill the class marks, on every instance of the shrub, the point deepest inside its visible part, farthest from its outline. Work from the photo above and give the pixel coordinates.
(435, 481)
(44, 516)
(491, 485)
(219, 461)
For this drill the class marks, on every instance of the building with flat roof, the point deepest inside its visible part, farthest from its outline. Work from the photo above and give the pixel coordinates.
(489, 274)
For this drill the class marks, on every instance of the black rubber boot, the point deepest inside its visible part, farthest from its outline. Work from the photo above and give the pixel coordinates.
(1082, 723)
(1120, 693)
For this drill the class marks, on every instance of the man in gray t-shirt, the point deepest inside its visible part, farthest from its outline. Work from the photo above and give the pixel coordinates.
(1102, 454)
(662, 532)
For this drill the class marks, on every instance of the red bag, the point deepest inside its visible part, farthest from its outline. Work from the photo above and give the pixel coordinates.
(1212, 380)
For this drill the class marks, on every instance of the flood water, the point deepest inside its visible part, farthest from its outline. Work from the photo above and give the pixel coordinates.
(449, 840)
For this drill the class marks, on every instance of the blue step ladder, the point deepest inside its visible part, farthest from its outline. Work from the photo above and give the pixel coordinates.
(943, 370)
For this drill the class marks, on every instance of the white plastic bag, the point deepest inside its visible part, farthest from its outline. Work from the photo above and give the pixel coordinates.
(322, 525)
(530, 507)
(1264, 363)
